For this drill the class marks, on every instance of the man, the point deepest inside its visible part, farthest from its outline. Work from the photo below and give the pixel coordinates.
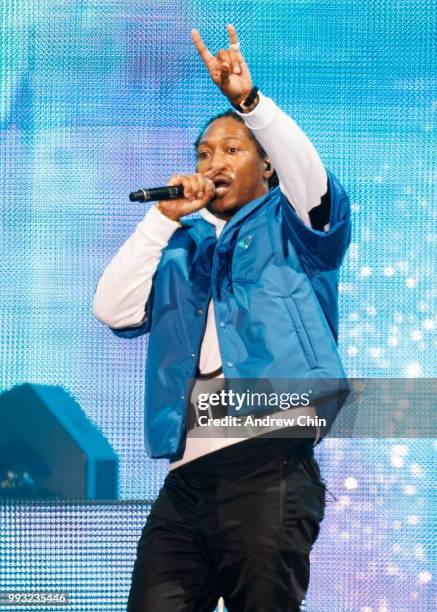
(249, 290)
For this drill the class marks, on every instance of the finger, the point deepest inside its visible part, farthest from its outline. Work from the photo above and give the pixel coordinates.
(236, 67)
(196, 186)
(224, 66)
(225, 59)
(191, 187)
(203, 190)
(181, 179)
(203, 180)
(189, 206)
(174, 180)
(236, 60)
(209, 188)
(201, 47)
(233, 38)
(224, 75)
(214, 171)
(224, 56)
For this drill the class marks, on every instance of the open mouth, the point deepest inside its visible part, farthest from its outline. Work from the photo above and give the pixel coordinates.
(222, 186)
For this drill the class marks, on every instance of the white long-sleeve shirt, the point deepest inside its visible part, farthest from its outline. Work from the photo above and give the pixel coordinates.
(125, 285)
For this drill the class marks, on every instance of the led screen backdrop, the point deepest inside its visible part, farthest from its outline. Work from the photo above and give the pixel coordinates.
(101, 97)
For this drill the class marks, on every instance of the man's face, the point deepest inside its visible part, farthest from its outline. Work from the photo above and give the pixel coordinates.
(226, 144)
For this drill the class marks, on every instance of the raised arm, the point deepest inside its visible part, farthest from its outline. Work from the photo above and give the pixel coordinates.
(302, 176)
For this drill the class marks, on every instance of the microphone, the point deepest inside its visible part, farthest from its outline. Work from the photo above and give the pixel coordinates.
(174, 192)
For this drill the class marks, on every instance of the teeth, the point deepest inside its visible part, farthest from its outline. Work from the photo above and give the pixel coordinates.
(221, 189)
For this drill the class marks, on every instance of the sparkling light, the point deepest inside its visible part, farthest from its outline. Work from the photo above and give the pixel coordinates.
(397, 461)
(424, 577)
(399, 449)
(389, 271)
(351, 483)
(413, 369)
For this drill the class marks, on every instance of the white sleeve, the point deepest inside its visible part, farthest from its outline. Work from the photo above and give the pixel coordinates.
(302, 176)
(124, 287)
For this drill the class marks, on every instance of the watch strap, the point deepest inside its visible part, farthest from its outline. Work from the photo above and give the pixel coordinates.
(245, 105)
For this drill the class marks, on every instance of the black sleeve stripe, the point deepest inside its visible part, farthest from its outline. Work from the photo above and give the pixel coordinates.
(319, 215)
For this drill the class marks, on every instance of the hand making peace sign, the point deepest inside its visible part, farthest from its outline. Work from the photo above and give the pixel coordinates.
(227, 69)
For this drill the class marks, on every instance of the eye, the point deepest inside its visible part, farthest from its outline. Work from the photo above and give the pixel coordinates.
(233, 150)
(202, 154)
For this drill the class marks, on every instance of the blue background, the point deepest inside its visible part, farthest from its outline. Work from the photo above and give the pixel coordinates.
(99, 98)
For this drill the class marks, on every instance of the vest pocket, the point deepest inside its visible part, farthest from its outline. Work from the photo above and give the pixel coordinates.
(301, 331)
(252, 252)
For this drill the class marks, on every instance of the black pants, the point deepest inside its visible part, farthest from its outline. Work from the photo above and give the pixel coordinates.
(238, 523)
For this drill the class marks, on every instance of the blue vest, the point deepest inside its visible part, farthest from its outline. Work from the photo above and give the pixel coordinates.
(274, 283)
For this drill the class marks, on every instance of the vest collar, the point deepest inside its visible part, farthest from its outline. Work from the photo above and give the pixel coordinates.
(248, 208)
(199, 229)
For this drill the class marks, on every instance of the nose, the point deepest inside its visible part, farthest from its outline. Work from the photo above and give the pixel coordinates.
(214, 165)
(217, 160)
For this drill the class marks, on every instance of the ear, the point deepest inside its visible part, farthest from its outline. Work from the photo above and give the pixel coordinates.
(268, 169)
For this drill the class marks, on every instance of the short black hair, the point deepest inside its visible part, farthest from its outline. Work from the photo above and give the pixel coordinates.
(273, 180)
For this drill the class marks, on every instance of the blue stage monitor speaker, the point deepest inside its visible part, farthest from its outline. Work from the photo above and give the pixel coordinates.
(45, 433)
